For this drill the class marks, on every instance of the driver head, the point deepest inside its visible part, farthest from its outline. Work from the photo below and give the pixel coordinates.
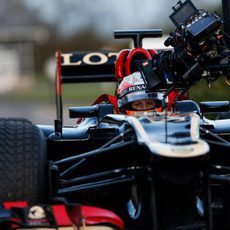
(134, 95)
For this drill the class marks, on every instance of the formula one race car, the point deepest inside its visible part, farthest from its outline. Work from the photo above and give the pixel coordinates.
(165, 169)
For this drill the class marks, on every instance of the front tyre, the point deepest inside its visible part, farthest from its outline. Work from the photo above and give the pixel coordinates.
(22, 161)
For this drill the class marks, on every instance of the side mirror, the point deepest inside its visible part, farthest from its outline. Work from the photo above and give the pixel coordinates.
(83, 111)
(99, 111)
(187, 106)
(214, 106)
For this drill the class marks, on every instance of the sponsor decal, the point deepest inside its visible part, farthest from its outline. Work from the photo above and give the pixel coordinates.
(132, 89)
(91, 58)
(36, 213)
(130, 81)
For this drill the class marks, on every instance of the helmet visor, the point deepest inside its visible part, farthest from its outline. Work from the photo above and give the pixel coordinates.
(142, 105)
(141, 100)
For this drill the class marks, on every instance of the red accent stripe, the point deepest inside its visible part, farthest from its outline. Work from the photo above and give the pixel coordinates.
(61, 215)
(96, 216)
(18, 204)
(58, 79)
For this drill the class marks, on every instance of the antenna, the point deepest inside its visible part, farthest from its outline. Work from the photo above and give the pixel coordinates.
(166, 123)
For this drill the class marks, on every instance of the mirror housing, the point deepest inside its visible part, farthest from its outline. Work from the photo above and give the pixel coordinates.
(99, 111)
(214, 106)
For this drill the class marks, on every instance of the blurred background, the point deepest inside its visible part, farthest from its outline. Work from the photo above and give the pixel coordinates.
(31, 31)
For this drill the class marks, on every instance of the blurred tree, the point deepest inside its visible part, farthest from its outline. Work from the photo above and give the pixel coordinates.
(16, 13)
(81, 41)
(86, 25)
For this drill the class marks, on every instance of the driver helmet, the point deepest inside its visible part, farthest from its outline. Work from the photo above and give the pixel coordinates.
(134, 95)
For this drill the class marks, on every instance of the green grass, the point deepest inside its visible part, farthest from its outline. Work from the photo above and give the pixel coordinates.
(43, 90)
(218, 91)
(85, 93)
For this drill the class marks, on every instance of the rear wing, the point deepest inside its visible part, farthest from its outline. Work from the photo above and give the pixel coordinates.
(81, 67)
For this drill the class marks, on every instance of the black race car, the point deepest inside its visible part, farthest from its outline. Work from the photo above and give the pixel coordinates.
(161, 170)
